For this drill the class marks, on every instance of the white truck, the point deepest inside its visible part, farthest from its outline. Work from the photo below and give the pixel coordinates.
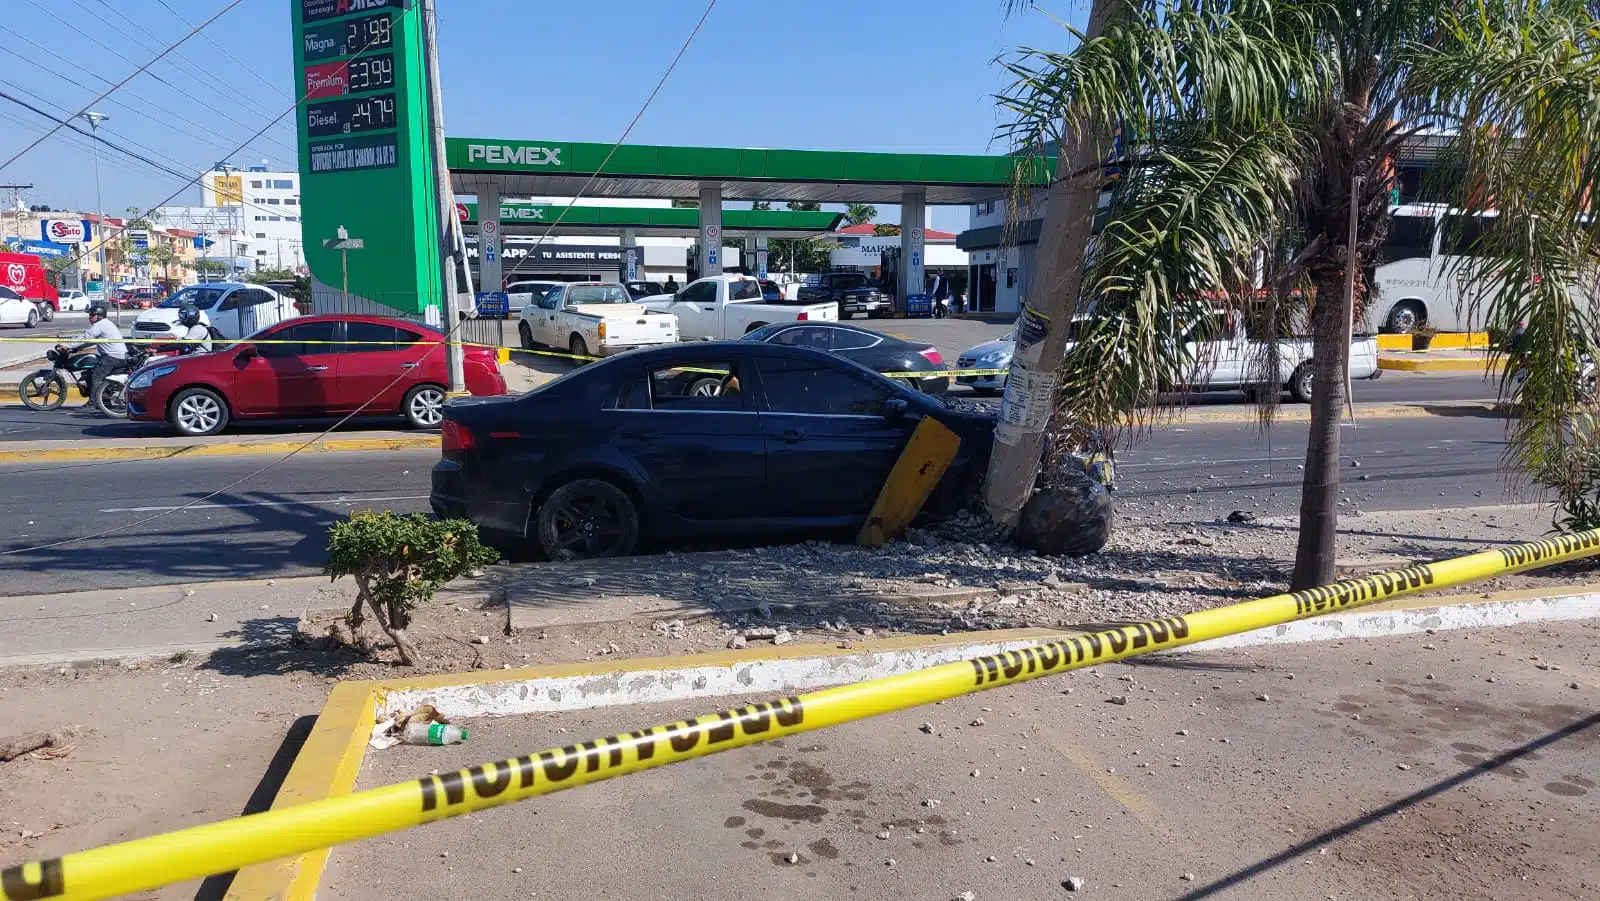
(592, 319)
(1229, 360)
(728, 306)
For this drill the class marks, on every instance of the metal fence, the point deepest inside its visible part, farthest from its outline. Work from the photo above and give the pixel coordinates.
(398, 305)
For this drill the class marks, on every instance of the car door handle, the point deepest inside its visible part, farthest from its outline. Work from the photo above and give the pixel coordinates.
(316, 369)
(792, 436)
(408, 365)
(709, 309)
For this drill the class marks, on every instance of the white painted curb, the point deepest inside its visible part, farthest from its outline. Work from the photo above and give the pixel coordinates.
(786, 676)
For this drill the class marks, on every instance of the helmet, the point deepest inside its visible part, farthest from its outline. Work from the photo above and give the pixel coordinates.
(188, 314)
(98, 309)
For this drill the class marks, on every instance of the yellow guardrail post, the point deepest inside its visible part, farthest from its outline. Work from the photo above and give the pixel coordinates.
(146, 863)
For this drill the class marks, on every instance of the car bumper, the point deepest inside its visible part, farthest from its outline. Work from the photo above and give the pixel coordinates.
(142, 408)
(864, 306)
(448, 492)
(611, 350)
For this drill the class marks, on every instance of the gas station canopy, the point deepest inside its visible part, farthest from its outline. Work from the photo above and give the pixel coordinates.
(614, 221)
(567, 169)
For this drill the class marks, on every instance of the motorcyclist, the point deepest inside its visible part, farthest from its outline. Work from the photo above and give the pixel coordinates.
(196, 337)
(106, 339)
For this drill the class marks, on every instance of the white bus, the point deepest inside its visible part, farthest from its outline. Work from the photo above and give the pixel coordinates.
(1418, 281)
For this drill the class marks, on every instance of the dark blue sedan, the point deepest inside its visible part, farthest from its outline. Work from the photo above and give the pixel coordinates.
(688, 441)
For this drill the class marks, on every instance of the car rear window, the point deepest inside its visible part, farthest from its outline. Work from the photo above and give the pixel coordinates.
(579, 294)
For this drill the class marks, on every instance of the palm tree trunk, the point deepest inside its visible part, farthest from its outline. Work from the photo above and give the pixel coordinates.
(1319, 494)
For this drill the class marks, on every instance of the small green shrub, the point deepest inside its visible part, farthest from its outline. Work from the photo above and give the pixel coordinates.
(398, 562)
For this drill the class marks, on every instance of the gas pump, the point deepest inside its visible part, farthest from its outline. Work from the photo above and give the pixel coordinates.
(691, 266)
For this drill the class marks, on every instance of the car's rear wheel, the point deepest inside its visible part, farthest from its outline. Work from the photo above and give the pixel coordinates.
(578, 348)
(526, 334)
(586, 519)
(198, 412)
(43, 391)
(754, 326)
(33, 318)
(1300, 384)
(424, 406)
(705, 386)
(48, 312)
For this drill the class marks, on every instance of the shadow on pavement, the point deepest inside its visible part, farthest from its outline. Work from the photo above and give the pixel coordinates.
(214, 888)
(1485, 768)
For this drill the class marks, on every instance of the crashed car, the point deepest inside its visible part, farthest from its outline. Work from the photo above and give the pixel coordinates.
(728, 439)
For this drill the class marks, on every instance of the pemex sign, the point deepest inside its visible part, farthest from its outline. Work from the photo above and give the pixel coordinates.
(365, 149)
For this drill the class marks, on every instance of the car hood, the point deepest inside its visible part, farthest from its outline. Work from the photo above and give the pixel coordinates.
(609, 310)
(169, 317)
(1003, 345)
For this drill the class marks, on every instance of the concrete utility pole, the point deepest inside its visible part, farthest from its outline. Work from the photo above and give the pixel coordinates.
(1042, 328)
(15, 206)
(446, 200)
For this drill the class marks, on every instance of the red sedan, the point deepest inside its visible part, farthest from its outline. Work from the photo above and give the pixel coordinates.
(327, 366)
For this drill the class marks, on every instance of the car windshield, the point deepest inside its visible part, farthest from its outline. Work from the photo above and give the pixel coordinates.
(201, 297)
(849, 282)
(744, 289)
(581, 294)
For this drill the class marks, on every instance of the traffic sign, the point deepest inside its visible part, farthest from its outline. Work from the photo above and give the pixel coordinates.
(345, 244)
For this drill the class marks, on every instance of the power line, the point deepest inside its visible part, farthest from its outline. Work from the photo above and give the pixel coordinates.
(212, 137)
(62, 124)
(193, 97)
(276, 89)
(191, 67)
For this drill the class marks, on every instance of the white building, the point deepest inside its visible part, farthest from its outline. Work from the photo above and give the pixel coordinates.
(270, 204)
(860, 248)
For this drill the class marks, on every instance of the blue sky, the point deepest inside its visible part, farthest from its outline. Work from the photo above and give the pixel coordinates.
(887, 75)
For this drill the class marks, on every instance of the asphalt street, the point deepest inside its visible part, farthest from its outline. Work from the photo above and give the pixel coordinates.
(273, 523)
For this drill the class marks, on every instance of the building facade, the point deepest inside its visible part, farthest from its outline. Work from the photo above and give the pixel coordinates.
(269, 205)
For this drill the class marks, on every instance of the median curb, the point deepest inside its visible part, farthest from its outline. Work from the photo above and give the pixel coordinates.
(329, 764)
(1422, 363)
(20, 452)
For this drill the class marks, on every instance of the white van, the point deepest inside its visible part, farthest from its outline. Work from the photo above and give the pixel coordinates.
(231, 310)
(1418, 280)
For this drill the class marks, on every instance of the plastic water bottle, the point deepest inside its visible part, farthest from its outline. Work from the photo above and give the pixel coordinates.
(434, 734)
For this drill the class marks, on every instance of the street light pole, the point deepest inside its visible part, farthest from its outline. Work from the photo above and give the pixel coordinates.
(100, 208)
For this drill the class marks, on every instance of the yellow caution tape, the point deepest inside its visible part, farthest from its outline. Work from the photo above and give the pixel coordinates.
(65, 340)
(147, 863)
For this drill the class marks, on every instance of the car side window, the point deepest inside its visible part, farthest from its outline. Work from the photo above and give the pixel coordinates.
(370, 337)
(698, 386)
(302, 339)
(805, 336)
(552, 300)
(233, 301)
(850, 339)
(704, 292)
(804, 386)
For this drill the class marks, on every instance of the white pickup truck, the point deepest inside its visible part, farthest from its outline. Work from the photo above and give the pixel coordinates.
(1229, 360)
(728, 306)
(592, 318)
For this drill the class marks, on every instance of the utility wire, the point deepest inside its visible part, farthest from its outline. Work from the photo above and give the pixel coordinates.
(454, 327)
(213, 138)
(194, 66)
(152, 73)
(109, 91)
(276, 89)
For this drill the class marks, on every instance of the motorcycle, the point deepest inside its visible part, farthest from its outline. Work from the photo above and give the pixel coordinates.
(46, 389)
(111, 395)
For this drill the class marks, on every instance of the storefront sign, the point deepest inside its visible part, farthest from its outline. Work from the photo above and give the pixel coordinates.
(355, 154)
(64, 231)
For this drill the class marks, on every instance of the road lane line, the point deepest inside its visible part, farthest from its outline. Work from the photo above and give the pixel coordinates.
(336, 501)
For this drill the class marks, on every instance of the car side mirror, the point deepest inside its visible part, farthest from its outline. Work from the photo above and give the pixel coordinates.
(246, 353)
(894, 409)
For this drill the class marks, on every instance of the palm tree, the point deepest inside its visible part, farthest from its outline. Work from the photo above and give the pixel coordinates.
(809, 206)
(859, 213)
(1261, 133)
(761, 205)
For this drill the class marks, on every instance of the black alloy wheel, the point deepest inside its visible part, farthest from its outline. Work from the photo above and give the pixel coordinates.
(587, 519)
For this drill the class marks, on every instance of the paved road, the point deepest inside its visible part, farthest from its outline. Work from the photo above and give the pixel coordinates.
(1431, 766)
(273, 524)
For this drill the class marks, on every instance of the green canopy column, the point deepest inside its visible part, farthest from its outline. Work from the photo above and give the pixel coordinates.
(710, 228)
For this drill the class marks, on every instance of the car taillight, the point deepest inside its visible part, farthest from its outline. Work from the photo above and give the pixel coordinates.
(931, 354)
(453, 436)
(803, 316)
